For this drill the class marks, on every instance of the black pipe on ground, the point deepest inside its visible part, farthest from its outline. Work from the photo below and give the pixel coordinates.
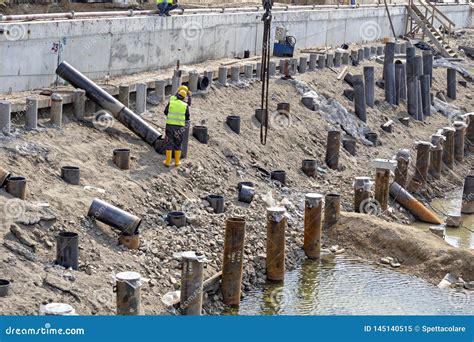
(200, 133)
(428, 64)
(389, 57)
(372, 137)
(71, 174)
(309, 167)
(233, 121)
(389, 85)
(132, 121)
(121, 158)
(4, 287)
(176, 218)
(369, 82)
(279, 175)
(216, 202)
(400, 82)
(114, 217)
(451, 86)
(67, 250)
(412, 96)
(16, 186)
(425, 94)
(410, 64)
(359, 97)
(350, 145)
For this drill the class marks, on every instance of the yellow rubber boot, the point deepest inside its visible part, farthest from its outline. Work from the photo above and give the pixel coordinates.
(177, 158)
(167, 161)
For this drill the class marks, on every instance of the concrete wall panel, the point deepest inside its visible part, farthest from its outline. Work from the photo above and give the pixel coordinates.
(31, 51)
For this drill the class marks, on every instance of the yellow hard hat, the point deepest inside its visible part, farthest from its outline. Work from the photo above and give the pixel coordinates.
(183, 87)
(182, 93)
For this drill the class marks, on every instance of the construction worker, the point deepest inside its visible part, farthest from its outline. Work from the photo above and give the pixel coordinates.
(165, 6)
(177, 113)
(188, 92)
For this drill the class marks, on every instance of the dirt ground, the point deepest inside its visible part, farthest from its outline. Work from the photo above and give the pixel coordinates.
(420, 253)
(149, 190)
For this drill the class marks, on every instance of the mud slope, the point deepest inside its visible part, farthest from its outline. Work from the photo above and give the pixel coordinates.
(420, 253)
(149, 190)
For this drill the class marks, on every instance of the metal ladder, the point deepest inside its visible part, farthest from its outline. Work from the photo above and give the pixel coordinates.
(426, 23)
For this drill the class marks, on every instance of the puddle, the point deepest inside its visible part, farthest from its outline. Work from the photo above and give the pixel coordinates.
(348, 286)
(462, 236)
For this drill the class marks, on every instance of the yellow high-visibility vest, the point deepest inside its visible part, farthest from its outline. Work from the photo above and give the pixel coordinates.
(177, 112)
(161, 1)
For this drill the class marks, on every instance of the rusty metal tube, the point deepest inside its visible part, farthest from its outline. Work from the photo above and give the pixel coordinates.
(468, 195)
(448, 150)
(192, 278)
(16, 186)
(470, 133)
(130, 241)
(109, 103)
(403, 161)
(232, 265)
(332, 210)
(127, 288)
(312, 225)
(422, 161)
(418, 210)
(436, 158)
(459, 135)
(333, 149)
(275, 260)
(121, 158)
(382, 183)
(309, 167)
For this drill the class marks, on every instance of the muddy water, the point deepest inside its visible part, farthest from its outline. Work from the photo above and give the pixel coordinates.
(462, 236)
(347, 286)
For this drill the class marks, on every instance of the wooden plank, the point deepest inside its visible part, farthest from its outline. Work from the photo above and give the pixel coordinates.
(242, 60)
(343, 73)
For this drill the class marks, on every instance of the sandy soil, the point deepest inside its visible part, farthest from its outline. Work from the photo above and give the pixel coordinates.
(149, 190)
(420, 253)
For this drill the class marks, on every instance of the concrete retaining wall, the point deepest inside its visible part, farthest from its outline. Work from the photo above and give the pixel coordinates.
(30, 52)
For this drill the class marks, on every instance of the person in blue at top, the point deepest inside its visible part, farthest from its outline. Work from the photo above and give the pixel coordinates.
(165, 6)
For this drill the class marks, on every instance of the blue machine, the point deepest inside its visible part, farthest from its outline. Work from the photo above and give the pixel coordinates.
(285, 45)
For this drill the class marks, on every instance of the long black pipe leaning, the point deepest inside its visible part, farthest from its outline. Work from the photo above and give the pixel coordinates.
(129, 119)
